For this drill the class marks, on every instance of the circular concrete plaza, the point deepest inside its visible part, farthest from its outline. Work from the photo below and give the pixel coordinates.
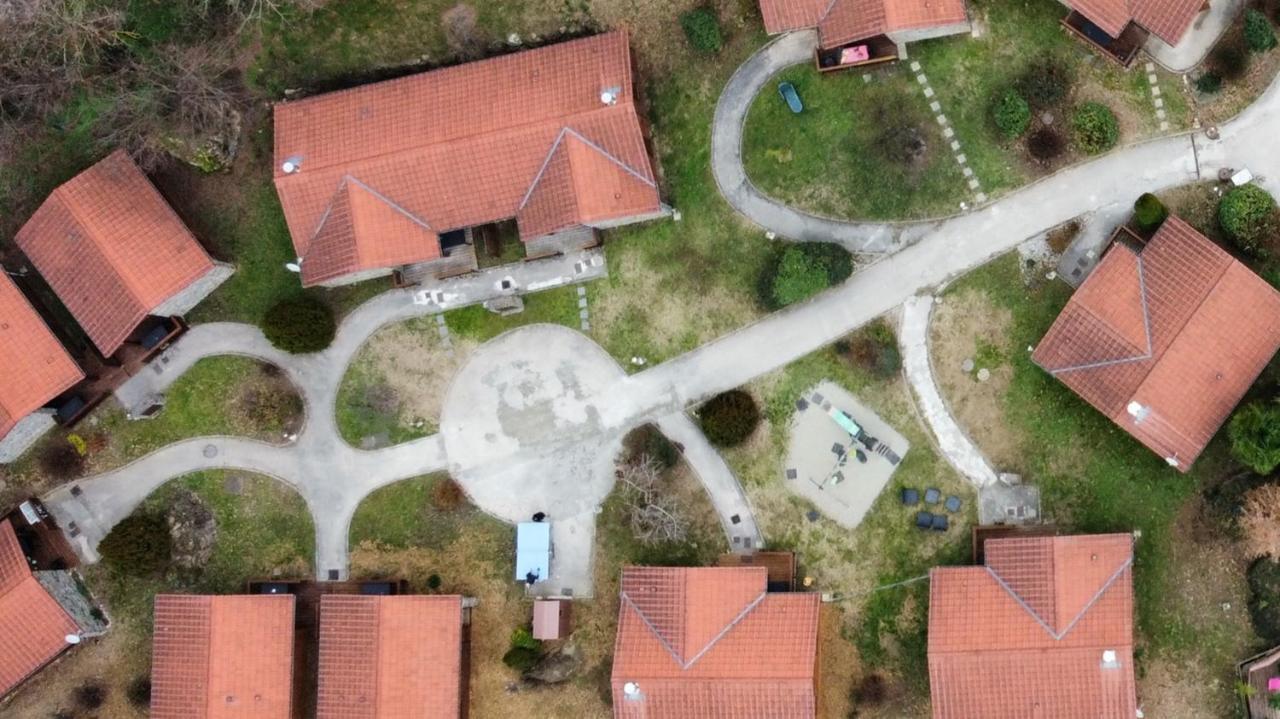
(526, 423)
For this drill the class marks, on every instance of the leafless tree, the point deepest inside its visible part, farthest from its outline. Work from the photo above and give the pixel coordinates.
(460, 31)
(1260, 521)
(653, 514)
(48, 50)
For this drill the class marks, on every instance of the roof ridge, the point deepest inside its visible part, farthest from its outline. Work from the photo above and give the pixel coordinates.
(1146, 326)
(76, 212)
(626, 597)
(609, 156)
(728, 627)
(542, 169)
(1058, 636)
(208, 653)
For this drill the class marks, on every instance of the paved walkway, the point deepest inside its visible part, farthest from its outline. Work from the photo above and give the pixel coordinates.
(1199, 40)
(955, 445)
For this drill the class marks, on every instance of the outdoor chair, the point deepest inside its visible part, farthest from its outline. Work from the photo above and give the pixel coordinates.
(924, 520)
(932, 496)
(953, 504)
(940, 522)
(910, 497)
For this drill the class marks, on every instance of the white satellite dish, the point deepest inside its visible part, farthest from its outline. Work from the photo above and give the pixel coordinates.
(294, 267)
(72, 639)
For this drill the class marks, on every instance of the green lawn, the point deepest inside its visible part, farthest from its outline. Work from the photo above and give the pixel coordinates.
(831, 159)
(402, 515)
(558, 306)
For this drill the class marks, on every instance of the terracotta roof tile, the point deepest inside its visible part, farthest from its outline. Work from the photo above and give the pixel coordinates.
(785, 15)
(844, 21)
(459, 147)
(1166, 19)
(708, 643)
(226, 657)
(112, 249)
(36, 367)
(33, 627)
(395, 657)
(1025, 635)
(1163, 329)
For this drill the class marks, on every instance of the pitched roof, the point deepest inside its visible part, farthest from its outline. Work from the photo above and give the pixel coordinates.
(845, 21)
(1166, 19)
(390, 656)
(222, 657)
(1025, 635)
(1163, 328)
(711, 643)
(36, 367)
(112, 249)
(385, 168)
(33, 627)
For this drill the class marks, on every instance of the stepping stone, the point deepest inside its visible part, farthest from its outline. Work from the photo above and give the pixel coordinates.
(910, 497)
(922, 79)
(1159, 102)
(586, 326)
(961, 158)
(1151, 67)
(981, 197)
(973, 184)
(935, 106)
(584, 314)
(942, 119)
(582, 291)
(915, 66)
(928, 92)
(582, 302)
(1159, 114)
(866, 78)
(967, 172)
(948, 133)
(1152, 79)
(955, 144)
(953, 503)
(440, 319)
(443, 330)
(932, 496)
(1155, 91)
(1164, 126)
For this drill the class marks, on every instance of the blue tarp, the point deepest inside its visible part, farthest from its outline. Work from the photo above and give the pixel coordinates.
(533, 551)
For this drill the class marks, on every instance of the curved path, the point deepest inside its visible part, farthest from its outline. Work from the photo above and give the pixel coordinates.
(333, 477)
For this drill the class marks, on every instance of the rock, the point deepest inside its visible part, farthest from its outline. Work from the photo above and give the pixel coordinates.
(557, 667)
(193, 529)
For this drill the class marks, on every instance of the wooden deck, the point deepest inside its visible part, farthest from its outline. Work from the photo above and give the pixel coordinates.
(880, 50)
(1256, 671)
(1121, 50)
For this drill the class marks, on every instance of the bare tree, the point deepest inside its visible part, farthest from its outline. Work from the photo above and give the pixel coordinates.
(460, 31)
(1260, 521)
(653, 515)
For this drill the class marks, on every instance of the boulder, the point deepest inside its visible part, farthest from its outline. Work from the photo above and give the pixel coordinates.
(557, 667)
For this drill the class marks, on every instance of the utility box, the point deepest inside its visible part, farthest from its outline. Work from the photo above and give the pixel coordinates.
(551, 618)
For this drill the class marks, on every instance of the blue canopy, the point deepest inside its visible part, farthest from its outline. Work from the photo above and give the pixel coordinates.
(533, 551)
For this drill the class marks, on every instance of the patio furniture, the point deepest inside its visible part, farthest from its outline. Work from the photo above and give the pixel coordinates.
(924, 520)
(910, 497)
(953, 504)
(932, 496)
(940, 522)
(788, 92)
(862, 456)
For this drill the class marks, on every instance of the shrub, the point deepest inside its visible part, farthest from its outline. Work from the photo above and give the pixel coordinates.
(1209, 83)
(1254, 432)
(139, 692)
(801, 271)
(1149, 212)
(1264, 599)
(299, 324)
(447, 495)
(521, 659)
(648, 441)
(523, 638)
(61, 461)
(874, 348)
(1044, 84)
(1258, 34)
(139, 545)
(1260, 521)
(1248, 216)
(871, 690)
(702, 27)
(1096, 127)
(434, 581)
(1046, 144)
(1012, 114)
(1228, 61)
(91, 696)
(729, 418)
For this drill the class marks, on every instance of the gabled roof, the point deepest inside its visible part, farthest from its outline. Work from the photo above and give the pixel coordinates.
(226, 657)
(390, 656)
(36, 367)
(1166, 19)
(711, 642)
(1165, 329)
(112, 249)
(385, 168)
(845, 21)
(1027, 635)
(33, 627)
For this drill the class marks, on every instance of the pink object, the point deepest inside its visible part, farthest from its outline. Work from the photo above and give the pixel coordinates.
(850, 55)
(1273, 684)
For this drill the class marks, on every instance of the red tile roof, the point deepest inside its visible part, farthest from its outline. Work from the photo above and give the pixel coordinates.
(112, 249)
(33, 627)
(385, 168)
(1164, 328)
(1025, 635)
(222, 657)
(36, 367)
(711, 643)
(398, 656)
(1166, 19)
(844, 21)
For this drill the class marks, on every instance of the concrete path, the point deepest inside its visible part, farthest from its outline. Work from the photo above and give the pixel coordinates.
(1199, 40)
(724, 490)
(955, 445)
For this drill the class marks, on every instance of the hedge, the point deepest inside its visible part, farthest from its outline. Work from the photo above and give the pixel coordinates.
(299, 324)
(139, 545)
(800, 271)
(1096, 127)
(702, 27)
(1248, 216)
(1149, 212)
(1012, 114)
(729, 418)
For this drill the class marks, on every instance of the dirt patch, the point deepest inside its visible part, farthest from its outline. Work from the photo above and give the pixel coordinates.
(415, 366)
(1135, 122)
(968, 326)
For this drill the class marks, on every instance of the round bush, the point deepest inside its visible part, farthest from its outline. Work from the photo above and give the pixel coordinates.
(1248, 215)
(91, 696)
(299, 325)
(1264, 599)
(520, 659)
(1096, 127)
(139, 692)
(61, 461)
(1046, 144)
(800, 271)
(702, 27)
(1209, 83)
(1254, 432)
(1044, 84)
(729, 418)
(1012, 114)
(1228, 61)
(1149, 212)
(139, 545)
(1258, 34)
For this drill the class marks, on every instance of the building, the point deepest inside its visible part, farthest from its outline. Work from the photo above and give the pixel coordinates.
(552, 619)
(42, 613)
(713, 642)
(407, 175)
(1120, 28)
(853, 33)
(392, 656)
(228, 657)
(37, 370)
(1043, 629)
(119, 258)
(1157, 340)
(1261, 672)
